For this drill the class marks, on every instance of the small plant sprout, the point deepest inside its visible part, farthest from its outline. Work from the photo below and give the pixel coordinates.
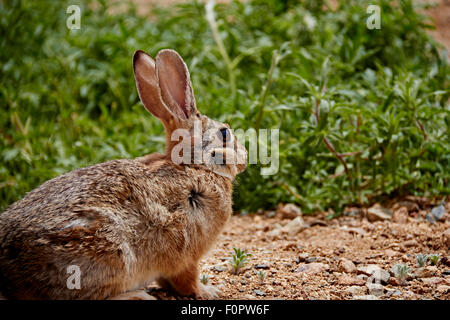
(204, 279)
(434, 259)
(401, 272)
(261, 276)
(421, 260)
(239, 258)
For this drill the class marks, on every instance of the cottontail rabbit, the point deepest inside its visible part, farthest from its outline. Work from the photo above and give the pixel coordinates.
(123, 223)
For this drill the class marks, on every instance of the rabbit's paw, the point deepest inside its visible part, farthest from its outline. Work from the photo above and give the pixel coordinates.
(207, 292)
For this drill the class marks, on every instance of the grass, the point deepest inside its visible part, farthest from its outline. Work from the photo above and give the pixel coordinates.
(362, 113)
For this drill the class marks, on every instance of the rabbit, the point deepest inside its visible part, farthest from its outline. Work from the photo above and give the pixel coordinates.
(125, 223)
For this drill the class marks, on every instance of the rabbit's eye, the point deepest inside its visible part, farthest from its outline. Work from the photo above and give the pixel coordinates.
(224, 134)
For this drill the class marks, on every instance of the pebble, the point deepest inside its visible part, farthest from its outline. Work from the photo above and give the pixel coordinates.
(393, 292)
(365, 297)
(347, 266)
(426, 272)
(374, 271)
(446, 273)
(378, 213)
(289, 211)
(375, 289)
(315, 267)
(259, 293)
(219, 268)
(401, 215)
(438, 212)
(443, 289)
(249, 297)
(410, 243)
(446, 236)
(261, 266)
(302, 257)
(348, 280)
(355, 290)
(432, 280)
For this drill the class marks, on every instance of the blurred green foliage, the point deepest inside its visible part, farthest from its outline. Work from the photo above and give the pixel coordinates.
(68, 97)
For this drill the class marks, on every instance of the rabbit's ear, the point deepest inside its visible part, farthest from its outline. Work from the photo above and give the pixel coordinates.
(174, 83)
(147, 85)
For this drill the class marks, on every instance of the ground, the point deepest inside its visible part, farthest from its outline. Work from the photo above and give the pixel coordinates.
(328, 259)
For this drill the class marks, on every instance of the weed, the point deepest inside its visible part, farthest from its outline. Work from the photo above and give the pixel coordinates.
(239, 258)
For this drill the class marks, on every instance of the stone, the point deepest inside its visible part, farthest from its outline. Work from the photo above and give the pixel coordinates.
(261, 266)
(312, 268)
(219, 268)
(289, 211)
(375, 289)
(401, 215)
(446, 236)
(365, 297)
(378, 213)
(249, 297)
(302, 257)
(393, 292)
(347, 266)
(311, 259)
(294, 226)
(410, 243)
(438, 212)
(348, 280)
(432, 280)
(426, 272)
(375, 272)
(355, 290)
(443, 289)
(259, 293)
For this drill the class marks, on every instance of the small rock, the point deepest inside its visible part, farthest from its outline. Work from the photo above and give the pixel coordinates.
(432, 280)
(410, 243)
(426, 272)
(393, 292)
(362, 276)
(375, 289)
(446, 236)
(261, 266)
(219, 268)
(311, 259)
(249, 297)
(438, 212)
(355, 290)
(365, 297)
(295, 226)
(378, 213)
(289, 211)
(347, 266)
(348, 280)
(443, 289)
(401, 215)
(259, 293)
(302, 257)
(391, 253)
(315, 267)
(446, 273)
(374, 271)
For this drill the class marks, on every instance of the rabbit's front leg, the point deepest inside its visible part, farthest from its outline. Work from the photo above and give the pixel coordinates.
(188, 283)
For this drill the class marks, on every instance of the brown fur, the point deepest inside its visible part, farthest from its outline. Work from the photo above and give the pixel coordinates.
(123, 222)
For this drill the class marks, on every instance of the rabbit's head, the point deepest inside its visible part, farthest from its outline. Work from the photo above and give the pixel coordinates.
(193, 139)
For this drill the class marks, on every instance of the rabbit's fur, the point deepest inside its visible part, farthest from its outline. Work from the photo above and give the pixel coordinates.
(126, 222)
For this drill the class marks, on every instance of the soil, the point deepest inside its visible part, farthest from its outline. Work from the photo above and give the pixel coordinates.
(314, 263)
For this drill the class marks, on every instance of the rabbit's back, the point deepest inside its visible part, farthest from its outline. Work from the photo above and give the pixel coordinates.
(115, 221)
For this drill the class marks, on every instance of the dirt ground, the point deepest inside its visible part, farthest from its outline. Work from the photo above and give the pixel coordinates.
(332, 259)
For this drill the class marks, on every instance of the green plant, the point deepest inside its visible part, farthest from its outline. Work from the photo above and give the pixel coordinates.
(421, 260)
(239, 258)
(434, 259)
(261, 276)
(402, 272)
(362, 113)
(204, 279)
